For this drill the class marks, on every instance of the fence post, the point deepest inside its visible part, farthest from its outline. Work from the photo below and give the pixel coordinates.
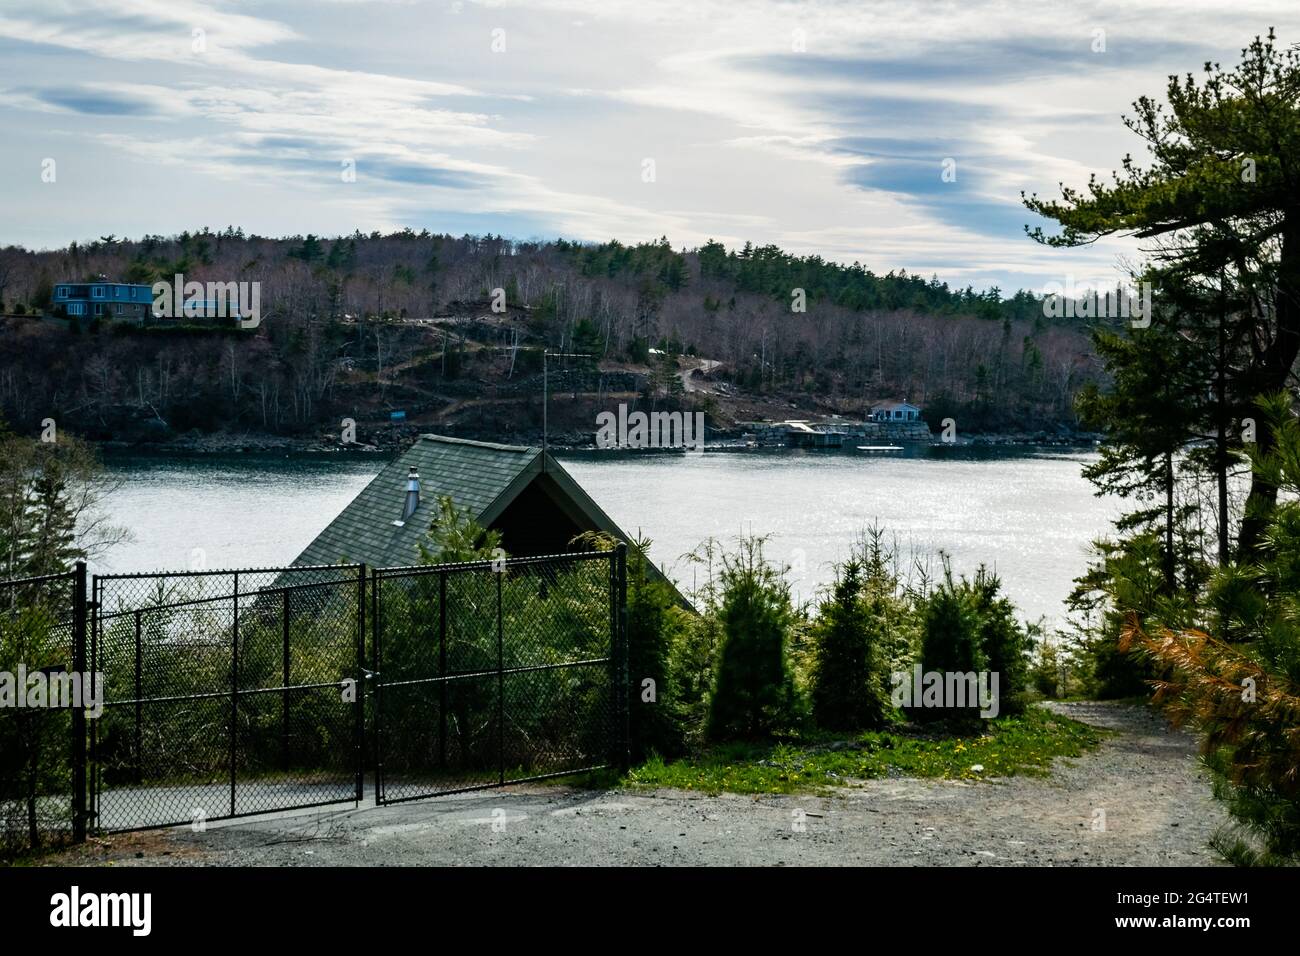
(442, 670)
(78, 712)
(92, 733)
(359, 723)
(501, 685)
(377, 669)
(620, 642)
(138, 748)
(234, 689)
(284, 694)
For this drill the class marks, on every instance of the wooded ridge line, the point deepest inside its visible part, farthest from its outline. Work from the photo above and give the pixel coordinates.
(448, 333)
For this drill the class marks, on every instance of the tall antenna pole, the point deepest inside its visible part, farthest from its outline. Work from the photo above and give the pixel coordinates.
(545, 405)
(545, 392)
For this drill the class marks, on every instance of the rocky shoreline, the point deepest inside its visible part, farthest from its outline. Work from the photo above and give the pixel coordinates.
(390, 440)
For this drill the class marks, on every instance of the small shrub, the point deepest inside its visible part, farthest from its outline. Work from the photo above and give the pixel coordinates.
(1047, 669)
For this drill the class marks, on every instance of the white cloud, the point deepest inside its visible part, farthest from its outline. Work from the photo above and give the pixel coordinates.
(753, 140)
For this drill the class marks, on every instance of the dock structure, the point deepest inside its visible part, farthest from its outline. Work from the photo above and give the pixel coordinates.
(802, 435)
(832, 433)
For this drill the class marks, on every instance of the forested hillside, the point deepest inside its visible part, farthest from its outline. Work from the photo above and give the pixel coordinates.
(341, 336)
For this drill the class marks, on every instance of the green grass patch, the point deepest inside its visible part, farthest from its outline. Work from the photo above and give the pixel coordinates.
(1014, 745)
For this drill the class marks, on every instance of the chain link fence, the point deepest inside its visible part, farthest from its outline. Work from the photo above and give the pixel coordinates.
(40, 625)
(490, 673)
(226, 693)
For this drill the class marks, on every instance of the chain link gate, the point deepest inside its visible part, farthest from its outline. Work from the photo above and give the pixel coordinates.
(227, 693)
(497, 672)
(230, 693)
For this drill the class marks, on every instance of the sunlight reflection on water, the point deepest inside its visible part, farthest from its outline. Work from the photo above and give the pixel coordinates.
(1028, 513)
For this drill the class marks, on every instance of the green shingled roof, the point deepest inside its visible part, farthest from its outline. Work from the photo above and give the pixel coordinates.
(480, 477)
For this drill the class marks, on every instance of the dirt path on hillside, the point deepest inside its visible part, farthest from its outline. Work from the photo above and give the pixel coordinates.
(687, 375)
(1145, 780)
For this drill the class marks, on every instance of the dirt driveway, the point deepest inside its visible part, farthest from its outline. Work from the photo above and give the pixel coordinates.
(1140, 799)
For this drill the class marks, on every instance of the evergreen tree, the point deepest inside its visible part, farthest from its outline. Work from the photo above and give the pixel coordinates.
(455, 536)
(1242, 693)
(1156, 402)
(50, 541)
(16, 456)
(754, 693)
(653, 625)
(49, 493)
(1150, 410)
(1003, 640)
(650, 628)
(849, 678)
(1220, 197)
(587, 342)
(1126, 585)
(950, 644)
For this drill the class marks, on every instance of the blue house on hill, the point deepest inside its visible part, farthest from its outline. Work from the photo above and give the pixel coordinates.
(103, 299)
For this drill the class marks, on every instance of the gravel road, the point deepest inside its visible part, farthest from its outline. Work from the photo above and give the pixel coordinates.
(1144, 783)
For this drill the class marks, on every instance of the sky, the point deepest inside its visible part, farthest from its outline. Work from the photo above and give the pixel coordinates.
(896, 134)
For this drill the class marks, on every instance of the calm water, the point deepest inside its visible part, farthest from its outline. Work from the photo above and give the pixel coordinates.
(1027, 513)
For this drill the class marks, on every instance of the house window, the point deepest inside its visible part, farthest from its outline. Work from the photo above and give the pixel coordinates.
(99, 292)
(75, 308)
(62, 292)
(118, 292)
(118, 308)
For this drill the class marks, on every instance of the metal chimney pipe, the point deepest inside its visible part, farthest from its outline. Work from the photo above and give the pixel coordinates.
(412, 494)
